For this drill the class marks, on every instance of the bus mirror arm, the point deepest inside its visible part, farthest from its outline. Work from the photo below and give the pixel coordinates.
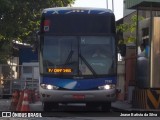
(122, 49)
(118, 90)
(36, 41)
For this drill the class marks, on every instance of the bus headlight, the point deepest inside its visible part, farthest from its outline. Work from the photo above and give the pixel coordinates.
(49, 87)
(106, 87)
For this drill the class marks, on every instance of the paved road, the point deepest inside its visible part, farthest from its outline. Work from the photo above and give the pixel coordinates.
(66, 113)
(69, 111)
(77, 110)
(4, 104)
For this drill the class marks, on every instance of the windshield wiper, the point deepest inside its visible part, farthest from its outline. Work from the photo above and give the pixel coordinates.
(66, 62)
(69, 57)
(48, 63)
(88, 65)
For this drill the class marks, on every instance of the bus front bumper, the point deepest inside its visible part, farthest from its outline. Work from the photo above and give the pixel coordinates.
(77, 96)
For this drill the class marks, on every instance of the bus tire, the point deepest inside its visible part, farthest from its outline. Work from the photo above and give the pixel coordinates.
(47, 106)
(54, 105)
(92, 106)
(106, 106)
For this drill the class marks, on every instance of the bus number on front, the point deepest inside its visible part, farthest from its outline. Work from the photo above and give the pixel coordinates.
(108, 81)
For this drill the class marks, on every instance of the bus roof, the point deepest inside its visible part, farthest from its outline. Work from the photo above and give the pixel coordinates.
(76, 10)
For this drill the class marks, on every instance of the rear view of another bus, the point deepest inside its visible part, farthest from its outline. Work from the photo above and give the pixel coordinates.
(77, 57)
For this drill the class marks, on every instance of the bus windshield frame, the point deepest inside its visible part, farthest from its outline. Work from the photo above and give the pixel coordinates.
(82, 56)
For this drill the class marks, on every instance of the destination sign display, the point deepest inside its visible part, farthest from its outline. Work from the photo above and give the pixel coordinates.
(59, 70)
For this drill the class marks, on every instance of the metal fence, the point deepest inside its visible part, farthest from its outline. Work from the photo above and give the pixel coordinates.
(18, 77)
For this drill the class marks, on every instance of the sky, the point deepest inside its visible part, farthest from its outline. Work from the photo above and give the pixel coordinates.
(118, 5)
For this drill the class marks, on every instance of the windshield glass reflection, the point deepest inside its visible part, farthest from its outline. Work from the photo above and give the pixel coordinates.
(85, 55)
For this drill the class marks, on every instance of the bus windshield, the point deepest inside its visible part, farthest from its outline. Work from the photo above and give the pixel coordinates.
(78, 55)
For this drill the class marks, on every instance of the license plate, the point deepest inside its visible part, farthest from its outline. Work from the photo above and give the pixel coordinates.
(79, 97)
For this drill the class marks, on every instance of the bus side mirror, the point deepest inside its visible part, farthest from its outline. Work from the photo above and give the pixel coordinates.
(122, 49)
(36, 42)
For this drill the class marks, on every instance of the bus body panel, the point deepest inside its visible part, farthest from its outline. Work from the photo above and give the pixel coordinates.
(75, 22)
(78, 96)
(81, 84)
(83, 87)
(78, 21)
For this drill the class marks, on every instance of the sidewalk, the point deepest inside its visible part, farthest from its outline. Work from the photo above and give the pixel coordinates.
(122, 105)
(5, 104)
(125, 106)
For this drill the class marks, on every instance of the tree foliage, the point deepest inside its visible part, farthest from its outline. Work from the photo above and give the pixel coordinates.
(19, 20)
(130, 28)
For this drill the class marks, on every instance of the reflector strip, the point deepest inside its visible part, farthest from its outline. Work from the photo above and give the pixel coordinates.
(46, 22)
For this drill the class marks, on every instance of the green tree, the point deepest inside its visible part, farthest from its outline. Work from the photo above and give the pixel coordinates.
(129, 28)
(19, 20)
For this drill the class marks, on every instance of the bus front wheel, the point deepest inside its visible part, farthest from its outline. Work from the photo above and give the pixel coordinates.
(106, 106)
(92, 106)
(48, 106)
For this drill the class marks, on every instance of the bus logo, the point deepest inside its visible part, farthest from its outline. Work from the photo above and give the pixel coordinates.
(46, 28)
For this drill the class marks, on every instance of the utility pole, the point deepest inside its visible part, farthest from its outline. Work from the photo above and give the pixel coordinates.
(112, 5)
(107, 4)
